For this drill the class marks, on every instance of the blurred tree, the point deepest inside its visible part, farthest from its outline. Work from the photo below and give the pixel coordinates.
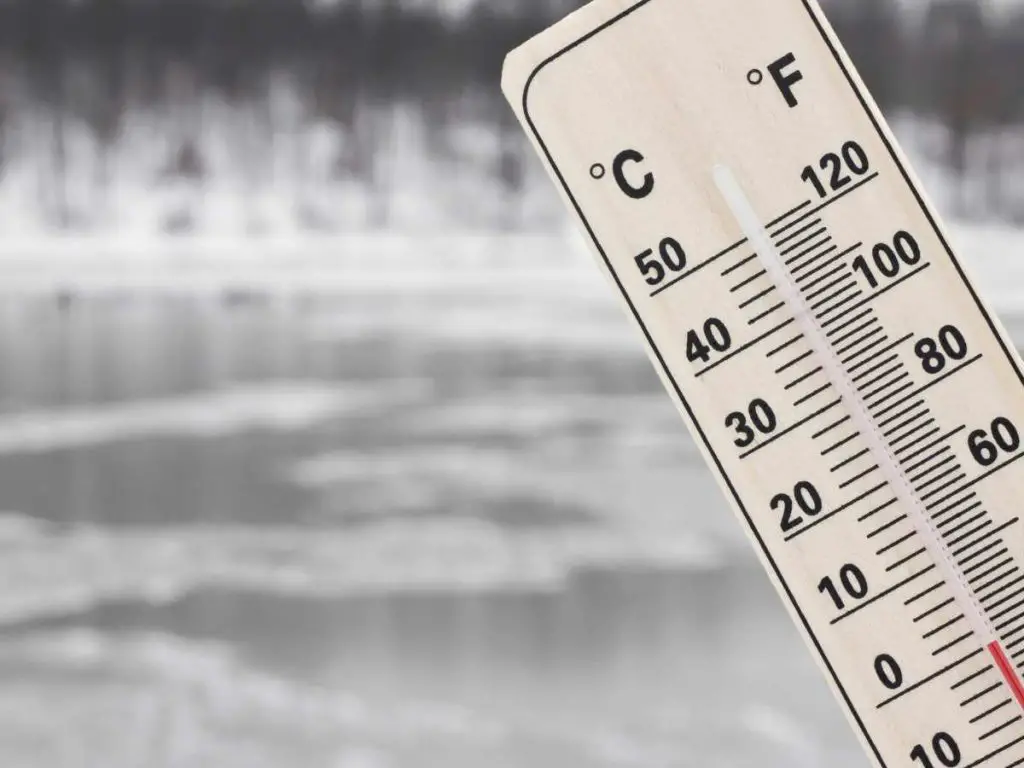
(351, 70)
(873, 32)
(44, 45)
(1005, 98)
(957, 39)
(100, 94)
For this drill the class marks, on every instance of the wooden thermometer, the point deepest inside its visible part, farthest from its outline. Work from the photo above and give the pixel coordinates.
(858, 401)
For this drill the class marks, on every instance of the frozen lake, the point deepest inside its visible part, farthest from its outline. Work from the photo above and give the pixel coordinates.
(405, 503)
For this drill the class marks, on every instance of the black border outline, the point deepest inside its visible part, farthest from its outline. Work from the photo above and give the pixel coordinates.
(830, 41)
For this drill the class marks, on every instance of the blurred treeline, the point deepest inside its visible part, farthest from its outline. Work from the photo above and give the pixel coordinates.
(952, 65)
(88, 65)
(128, 52)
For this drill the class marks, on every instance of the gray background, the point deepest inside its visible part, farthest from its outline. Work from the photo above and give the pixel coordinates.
(322, 442)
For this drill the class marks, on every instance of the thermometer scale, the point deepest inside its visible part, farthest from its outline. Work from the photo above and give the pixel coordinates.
(857, 400)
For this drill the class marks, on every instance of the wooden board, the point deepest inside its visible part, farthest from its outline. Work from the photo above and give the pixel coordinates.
(859, 403)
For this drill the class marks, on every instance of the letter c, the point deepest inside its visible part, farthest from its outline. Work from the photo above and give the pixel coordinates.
(618, 169)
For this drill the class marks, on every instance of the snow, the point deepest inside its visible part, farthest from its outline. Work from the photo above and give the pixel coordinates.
(270, 406)
(261, 176)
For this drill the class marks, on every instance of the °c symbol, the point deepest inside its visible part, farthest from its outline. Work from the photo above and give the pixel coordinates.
(597, 171)
(637, 191)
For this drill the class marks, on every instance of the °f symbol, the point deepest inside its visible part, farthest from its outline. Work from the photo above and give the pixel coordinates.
(785, 74)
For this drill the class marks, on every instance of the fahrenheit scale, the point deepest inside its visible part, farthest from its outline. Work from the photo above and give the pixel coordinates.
(859, 403)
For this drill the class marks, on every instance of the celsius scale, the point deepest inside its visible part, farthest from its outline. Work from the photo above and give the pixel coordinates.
(856, 398)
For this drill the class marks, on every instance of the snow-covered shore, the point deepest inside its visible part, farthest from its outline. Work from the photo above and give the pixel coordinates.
(393, 262)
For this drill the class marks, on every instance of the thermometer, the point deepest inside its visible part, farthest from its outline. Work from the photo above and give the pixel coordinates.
(859, 403)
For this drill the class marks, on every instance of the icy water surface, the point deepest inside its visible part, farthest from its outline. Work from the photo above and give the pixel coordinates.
(444, 516)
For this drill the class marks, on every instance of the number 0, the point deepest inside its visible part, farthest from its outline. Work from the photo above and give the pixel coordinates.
(889, 672)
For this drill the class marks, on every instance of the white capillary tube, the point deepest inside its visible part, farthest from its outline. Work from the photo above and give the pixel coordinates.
(907, 497)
